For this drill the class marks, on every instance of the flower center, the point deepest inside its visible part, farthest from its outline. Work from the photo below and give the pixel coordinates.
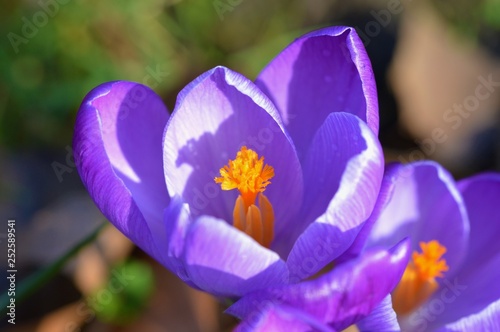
(248, 173)
(419, 279)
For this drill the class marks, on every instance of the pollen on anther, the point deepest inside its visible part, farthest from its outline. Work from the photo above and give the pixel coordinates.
(419, 279)
(429, 263)
(247, 173)
(253, 213)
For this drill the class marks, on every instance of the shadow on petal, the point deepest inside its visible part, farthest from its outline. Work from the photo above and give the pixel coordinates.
(223, 261)
(118, 152)
(321, 72)
(217, 114)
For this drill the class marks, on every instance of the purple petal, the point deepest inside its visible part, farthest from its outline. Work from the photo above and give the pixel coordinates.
(341, 297)
(118, 153)
(280, 318)
(223, 261)
(177, 221)
(322, 72)
(382, 318)
(345, 162)
(426, 205)
(475, 286)
(214, 116)
(487, 319)
(384, 197)
(481, 194)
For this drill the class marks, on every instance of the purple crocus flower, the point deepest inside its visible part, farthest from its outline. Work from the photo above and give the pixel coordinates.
(451, 282)
(304, 133)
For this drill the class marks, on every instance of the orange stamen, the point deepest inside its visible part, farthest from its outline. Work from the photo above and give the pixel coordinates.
(248, 173)
(419, 279)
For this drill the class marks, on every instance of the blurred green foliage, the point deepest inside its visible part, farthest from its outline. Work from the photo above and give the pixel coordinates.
(463, 14)
(490, 12)
(471, 17)
(55, 51)
(81, 45)
(125, 295)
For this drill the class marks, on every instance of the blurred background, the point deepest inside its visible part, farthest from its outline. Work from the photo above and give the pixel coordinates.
(429, 58)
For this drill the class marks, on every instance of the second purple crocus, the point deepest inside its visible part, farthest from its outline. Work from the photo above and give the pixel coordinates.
(451, 281)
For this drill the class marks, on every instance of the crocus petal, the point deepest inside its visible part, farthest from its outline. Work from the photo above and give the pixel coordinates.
(342, 174)
(426, 205)
(384, 197)
(224, 261)
(281, 318)
(382, 318)
(481, 194)
(487, 319)
(177, 221)
(475, 286)
(118, 153)
(214, 116)
(341, 297)
(324, 71)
